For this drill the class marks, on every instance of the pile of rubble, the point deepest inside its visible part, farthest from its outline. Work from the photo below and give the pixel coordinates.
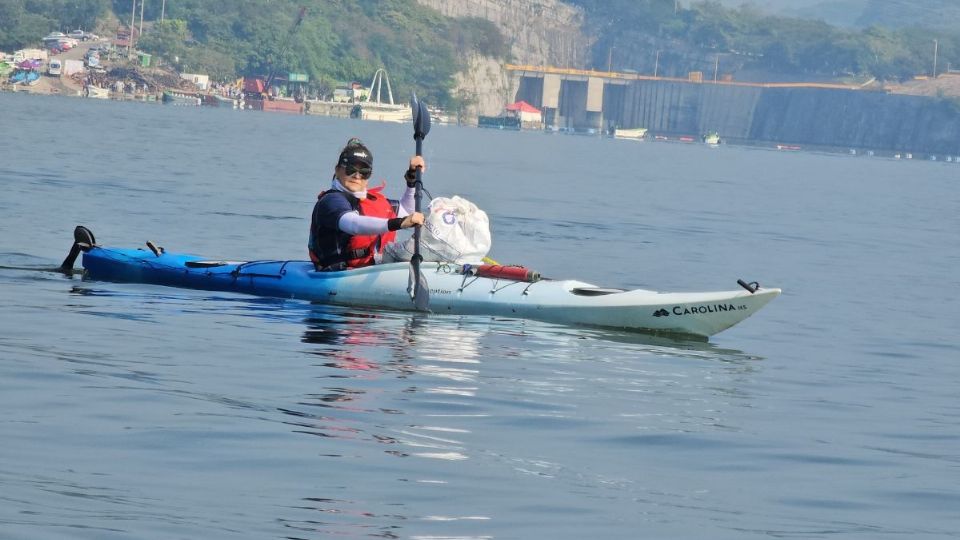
(134, 79)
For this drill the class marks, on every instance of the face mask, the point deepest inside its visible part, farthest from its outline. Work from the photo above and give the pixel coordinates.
(340, 187)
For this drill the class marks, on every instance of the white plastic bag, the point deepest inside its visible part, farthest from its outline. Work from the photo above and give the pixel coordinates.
(455, 230)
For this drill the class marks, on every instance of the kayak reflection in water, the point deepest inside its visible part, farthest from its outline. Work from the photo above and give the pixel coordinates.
(352, 223)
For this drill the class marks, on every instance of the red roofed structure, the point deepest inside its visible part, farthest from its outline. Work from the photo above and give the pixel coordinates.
(525, 111)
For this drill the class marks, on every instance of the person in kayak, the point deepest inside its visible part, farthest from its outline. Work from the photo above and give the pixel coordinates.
(352, 223)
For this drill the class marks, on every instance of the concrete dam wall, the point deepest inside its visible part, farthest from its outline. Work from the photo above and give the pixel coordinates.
(857, 119)
(795, 115)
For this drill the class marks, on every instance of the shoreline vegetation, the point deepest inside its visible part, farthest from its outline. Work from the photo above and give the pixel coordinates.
(425, 50)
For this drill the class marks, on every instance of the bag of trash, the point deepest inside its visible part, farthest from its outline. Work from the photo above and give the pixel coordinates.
(455, 230)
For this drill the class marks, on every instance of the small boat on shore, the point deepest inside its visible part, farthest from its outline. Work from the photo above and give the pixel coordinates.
(96, 92)
(635, 134)
(712, 138)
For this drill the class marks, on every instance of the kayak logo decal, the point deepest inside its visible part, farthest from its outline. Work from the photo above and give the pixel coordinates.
(701, 310)
(661, 313)
(449, 217)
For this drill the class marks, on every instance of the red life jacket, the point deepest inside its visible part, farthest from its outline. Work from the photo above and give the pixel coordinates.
(360, 249)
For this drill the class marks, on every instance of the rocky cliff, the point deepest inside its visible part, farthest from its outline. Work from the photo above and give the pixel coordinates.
(540, 32)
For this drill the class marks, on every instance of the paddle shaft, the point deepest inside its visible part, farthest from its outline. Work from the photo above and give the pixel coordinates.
(418, 203)
(420, 291)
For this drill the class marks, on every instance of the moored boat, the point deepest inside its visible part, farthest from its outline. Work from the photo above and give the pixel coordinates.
(375, 108)
(274, 105)
(383, 112)
(636, 134)
(454, 289)
(174, 97)
(216, 100)
(499, 122)
(96, 92)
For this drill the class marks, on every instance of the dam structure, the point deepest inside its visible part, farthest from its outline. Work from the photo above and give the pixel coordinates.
(803, 114)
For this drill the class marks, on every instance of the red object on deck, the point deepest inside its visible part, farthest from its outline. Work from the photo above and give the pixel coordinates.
(516, 273)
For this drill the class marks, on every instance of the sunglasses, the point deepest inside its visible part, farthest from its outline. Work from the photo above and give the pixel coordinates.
(351, 170)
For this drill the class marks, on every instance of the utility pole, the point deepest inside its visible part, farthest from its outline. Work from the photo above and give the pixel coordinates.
(716, 68)
(140, 32)
(936, 46)
(163, 6)
(133, 15)
(656, 64)
(609, 58)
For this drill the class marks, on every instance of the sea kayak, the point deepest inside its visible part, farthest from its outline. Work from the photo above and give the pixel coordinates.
(454, 289)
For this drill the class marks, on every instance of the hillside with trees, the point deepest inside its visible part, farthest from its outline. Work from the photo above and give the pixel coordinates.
(338, 40)
(649, 35)
(348, 40)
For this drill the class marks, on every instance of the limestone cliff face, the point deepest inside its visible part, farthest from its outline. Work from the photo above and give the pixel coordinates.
(540, 32)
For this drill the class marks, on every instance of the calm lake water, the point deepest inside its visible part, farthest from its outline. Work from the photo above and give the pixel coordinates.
(143, 412)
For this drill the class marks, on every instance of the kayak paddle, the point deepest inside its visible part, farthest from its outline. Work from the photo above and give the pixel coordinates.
(82, 239)
(417, 285)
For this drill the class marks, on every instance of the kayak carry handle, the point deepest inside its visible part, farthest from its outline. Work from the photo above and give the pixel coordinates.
(157, 250)
(752, 286)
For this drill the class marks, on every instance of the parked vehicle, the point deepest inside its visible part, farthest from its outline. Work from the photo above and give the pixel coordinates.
(81, 35)
(55, 67)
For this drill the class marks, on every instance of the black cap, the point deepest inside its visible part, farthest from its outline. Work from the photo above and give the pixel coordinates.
(355, 152)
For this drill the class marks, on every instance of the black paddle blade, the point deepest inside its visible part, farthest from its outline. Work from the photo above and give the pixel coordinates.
(421, 118)
(82, 238)
(83, 235)
(418, 288)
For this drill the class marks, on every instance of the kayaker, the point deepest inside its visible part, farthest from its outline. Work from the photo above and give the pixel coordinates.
(352, 223)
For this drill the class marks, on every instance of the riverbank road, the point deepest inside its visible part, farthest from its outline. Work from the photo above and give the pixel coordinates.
(61, 84)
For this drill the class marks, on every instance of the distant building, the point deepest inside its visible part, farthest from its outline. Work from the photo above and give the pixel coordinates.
(201, 81)
(351, 93)
(526, 112)
(519, 115)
